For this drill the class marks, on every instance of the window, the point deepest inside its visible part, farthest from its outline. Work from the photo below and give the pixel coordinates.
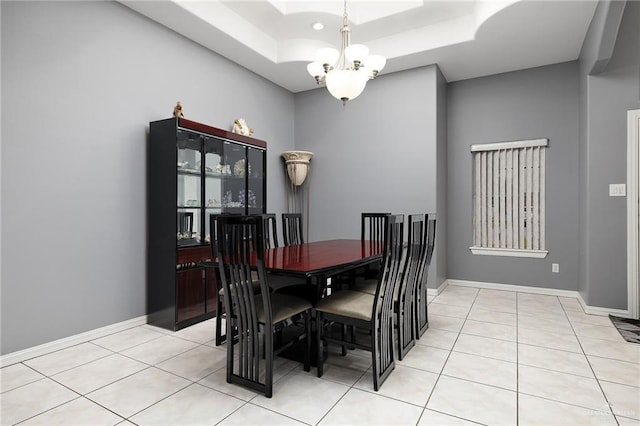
(509, 198)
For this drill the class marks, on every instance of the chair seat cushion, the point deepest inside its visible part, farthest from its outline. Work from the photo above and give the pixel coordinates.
(353, 304)
(366, 286)
(284, 306)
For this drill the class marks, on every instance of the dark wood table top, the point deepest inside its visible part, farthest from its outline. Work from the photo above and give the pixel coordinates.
(322, 257)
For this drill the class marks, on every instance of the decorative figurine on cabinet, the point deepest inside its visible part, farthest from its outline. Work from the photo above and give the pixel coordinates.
(177, 110)
(240, 126)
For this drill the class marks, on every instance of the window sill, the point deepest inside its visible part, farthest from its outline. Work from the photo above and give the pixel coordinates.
(485, 251)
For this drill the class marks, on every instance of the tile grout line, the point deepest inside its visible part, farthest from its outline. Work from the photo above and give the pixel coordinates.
(71, 368)
(199, 344)
(74, 399)
(247, 402)
(449, 355)
(591, 367)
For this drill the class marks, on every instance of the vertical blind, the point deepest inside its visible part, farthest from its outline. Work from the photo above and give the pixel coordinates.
(509, 195)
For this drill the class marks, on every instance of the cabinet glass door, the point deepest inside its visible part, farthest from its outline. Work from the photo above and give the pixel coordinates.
(214, 173)
(189, 202)
(233, 183)
(255, 192)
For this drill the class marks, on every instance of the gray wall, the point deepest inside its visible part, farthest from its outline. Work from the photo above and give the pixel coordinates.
(535, 103)
(610, 86)
(379, 153)
(442, 187)
(80, 83)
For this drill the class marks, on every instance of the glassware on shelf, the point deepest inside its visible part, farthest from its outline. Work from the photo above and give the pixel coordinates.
(206, 169)
(252, 199)
(227, 199)
(241, 198)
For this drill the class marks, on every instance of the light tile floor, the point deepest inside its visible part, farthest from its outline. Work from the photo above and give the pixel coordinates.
(489, 357)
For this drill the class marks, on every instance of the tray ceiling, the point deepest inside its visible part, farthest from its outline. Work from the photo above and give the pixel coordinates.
(466, 39)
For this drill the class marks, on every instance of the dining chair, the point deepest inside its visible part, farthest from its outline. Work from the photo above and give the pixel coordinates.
(370, 314)
(421, 317)
(220, 338)
(270, 230)
(372, 230)
(412, 274)
(281, 283)
(254, 319)
(292, 229)
(405, 297)
(372, 226)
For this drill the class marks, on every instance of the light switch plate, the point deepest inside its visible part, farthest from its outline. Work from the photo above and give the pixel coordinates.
(617, 190)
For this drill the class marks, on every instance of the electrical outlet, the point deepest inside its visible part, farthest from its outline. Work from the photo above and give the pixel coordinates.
(555, 267)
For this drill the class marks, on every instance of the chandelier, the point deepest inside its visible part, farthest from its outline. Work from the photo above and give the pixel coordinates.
(345, 73)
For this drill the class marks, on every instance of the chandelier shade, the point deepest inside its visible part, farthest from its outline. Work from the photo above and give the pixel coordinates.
(346, 84)
(376, 63)
(356, 53)
(345, 72)
(327, 55)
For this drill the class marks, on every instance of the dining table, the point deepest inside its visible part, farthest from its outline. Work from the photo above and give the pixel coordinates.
(316, 262)
(319, 260)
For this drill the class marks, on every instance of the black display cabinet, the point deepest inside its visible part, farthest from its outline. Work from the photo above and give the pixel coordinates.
(193, 171)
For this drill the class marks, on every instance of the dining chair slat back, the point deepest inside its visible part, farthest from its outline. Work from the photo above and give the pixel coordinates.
(390, 276)
(220, 337)
(270, 229)
(412, 274)
(292, 229)
(421, 316)
(372, 226)
(251, 314)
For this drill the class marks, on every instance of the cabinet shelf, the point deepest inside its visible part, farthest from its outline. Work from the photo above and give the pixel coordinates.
(192, 172)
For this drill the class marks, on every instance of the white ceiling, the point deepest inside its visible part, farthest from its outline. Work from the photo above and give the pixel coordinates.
(466, 39)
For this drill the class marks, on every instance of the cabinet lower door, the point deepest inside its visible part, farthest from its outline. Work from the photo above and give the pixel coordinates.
(212, 278)
(190, 295)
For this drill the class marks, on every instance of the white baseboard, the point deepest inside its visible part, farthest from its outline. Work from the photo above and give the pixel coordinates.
(597, 310)
(436, 291)
(592, 310)
(66, 342)
(56, 345)
(513, 287)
